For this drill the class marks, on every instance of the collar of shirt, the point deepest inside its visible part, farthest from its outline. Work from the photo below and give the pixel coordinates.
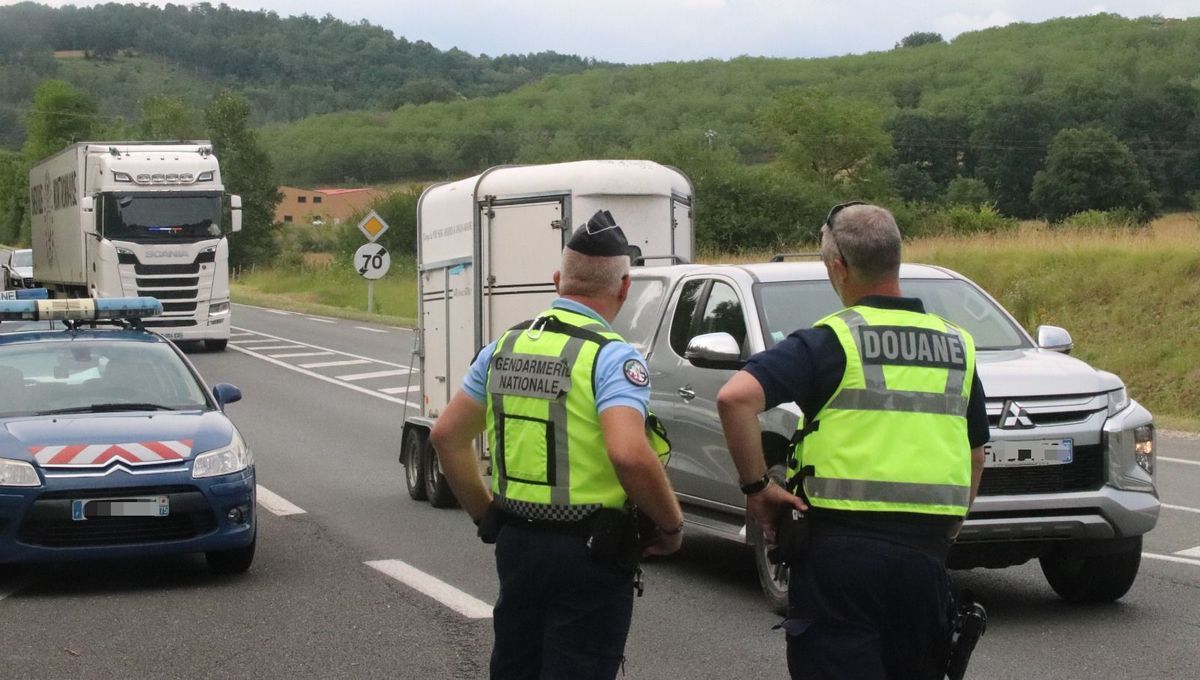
(907, 304)
(580, 308)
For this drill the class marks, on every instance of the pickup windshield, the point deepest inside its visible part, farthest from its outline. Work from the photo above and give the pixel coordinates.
(789, 305)
(142, 217)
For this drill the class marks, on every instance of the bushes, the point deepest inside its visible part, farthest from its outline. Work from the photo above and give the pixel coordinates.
(925, 219)
(1117, 218)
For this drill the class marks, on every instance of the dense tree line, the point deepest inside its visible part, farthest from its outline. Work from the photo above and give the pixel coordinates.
(287, 67)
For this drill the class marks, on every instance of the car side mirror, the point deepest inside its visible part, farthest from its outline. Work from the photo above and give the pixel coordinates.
(1054, 339)
(225, 394)
(714, 350)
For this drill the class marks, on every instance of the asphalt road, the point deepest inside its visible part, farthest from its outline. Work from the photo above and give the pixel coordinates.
(323, 408)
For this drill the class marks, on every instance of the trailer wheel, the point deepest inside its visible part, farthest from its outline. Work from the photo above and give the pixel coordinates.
(412, 457)
(437, 489)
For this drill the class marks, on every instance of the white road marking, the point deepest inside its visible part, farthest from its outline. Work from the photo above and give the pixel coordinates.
(340, 362)
(241, 335)
(297, 355)
(258, 341)
(1181, 507)
(1190, 552)
(327, 349)
(319, 319)
(281, 312)
(277, 504)
(375, 374)
(370, 330)
(1172, 558)
(324, 378)
(1180, 460)
(12, 588)
(400, 390)
(467, 605)
(263, 348)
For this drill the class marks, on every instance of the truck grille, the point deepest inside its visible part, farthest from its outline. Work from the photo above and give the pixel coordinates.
(169, 323)
(169, 294)
(179, 307)
(169, 283)
(166, 269)
(1084, 473)
(49, 522)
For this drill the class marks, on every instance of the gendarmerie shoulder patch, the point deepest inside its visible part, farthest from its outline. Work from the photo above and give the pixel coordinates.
(635, 372)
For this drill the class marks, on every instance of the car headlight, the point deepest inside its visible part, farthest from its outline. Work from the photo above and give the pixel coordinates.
(224, 461)
(1118, 400)
(18, 473)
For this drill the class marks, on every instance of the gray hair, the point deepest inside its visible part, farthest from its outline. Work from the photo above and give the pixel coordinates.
(867, 239)
(591, 275)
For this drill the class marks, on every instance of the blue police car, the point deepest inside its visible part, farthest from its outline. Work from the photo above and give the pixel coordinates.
(111, 446)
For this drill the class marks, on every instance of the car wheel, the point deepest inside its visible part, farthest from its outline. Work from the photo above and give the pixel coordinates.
(1094, 578)
(437, 489)
(216, 345)
(413, 458)
(233, 561)
(772, 577)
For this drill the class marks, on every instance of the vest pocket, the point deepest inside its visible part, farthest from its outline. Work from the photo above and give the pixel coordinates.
(527, 449)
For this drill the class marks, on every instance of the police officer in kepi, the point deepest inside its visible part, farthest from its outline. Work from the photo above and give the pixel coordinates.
(889, 458)
(564, 400)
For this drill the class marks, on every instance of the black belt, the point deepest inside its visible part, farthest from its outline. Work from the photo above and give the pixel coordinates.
(581, 527)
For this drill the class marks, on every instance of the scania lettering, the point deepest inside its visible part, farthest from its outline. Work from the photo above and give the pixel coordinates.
(113, 219)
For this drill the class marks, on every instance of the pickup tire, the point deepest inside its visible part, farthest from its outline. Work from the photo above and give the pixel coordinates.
(772, 577)
(412, 457)
(216, 345)
(1093, 578)
(233, 561)
(437, 488)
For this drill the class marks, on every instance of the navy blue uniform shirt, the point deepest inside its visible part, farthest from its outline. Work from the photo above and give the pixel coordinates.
(806, 368)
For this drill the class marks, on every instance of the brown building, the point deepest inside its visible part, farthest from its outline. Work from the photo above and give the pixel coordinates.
(322, 206)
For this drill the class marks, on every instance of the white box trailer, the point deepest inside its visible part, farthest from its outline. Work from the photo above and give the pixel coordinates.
(487, 249)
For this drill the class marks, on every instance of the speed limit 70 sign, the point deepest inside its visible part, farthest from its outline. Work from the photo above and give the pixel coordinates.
(372, 261)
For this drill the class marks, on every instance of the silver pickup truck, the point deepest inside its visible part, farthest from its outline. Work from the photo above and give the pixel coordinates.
(1070, 465)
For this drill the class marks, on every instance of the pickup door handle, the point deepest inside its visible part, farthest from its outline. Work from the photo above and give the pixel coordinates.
(687, 393)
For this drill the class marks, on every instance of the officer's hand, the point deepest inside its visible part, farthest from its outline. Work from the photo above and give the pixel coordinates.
(664, 544)
(766, 505)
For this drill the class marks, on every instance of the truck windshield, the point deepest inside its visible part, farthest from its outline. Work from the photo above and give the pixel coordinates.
(789, 305)
(161, 217)
(22, 258)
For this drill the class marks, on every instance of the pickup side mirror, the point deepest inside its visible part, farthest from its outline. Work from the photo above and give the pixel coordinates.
(235, 213)
(1054, 339)
(714, 350)
(225, 394)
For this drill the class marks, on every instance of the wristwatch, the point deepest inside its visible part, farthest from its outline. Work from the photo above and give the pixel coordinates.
(754, 487)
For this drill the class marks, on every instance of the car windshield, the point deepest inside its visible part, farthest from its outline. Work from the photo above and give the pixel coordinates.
(85, 375)
(22, 258)
(789, 305)
(161, 217)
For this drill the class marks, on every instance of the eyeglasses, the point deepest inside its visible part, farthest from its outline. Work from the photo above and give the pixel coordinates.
(829, 223)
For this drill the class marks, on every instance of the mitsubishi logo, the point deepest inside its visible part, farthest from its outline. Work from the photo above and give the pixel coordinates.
(1014, 417)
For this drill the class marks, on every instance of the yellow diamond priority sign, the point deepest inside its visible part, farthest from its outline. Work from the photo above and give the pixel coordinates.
(372, 226)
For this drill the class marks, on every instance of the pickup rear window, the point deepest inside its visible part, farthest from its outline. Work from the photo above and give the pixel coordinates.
(789, 305)
(639, 316)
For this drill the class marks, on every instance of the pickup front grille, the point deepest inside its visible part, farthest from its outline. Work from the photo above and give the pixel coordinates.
(1084, 473)
(49, 524)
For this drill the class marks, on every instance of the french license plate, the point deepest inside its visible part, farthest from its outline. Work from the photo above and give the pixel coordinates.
(142, 506)
(172, 336)
(1029, 453)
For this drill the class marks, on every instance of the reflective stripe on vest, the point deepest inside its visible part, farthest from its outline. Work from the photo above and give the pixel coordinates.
(551, 462)
(901, 448)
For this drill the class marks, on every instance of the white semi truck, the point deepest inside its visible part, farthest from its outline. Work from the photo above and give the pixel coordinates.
(114, 219)
(487, 250)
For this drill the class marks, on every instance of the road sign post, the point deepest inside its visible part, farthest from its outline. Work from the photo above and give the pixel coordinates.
(372, 260)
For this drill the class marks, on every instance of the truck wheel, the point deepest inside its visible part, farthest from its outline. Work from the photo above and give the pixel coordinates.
(772, 577)
(412, 457)
(437, 489)
(1095, 578)
(216, 345)
(233, 561)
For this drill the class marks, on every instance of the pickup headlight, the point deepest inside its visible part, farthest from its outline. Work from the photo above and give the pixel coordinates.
(224, 461)
(18, 473)
(1143, 448)
(1118, 400)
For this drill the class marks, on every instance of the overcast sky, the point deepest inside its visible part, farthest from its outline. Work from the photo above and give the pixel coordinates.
(639, 31)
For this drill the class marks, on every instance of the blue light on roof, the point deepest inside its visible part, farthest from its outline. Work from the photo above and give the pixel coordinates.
(81, 309)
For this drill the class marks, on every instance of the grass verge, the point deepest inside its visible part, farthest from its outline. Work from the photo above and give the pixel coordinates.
(332, 292)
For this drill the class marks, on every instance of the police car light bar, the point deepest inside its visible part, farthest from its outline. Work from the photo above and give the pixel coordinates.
(80, 309)
(25, 294)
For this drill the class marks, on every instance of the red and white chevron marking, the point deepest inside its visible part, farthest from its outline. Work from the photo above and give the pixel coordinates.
(100, 455)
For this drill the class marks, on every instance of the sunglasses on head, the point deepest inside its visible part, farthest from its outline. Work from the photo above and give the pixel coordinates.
(829, 223)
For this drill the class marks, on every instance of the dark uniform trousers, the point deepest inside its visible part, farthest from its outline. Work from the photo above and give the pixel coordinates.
(559, 614)
(863, 608)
